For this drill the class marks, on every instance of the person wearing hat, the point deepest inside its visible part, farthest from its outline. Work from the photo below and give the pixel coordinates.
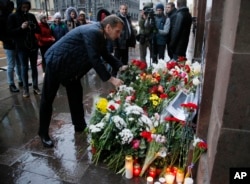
(71, 15)
(58, 28)
(81, 20)
(161, 26)
(144, 33)
(45, 38)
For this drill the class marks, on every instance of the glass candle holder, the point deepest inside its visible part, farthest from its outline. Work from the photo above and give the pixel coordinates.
(188, 181)
(150, 180)
(169, 177)
(152, 171)
(180, 176)
(129, 167)
(136, 170)
(162, 180)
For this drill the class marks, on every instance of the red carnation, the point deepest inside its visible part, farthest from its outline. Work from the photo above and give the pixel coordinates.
(173, 89)
(202, 145)
(112, 108)
(163, 95)
(189, 106)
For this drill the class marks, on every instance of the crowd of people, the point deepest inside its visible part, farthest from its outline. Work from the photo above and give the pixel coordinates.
(70, 48)
(160, 30)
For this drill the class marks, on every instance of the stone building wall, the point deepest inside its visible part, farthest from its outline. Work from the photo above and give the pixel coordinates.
(224, 117)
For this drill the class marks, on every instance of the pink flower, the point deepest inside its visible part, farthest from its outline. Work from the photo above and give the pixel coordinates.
(135, 143)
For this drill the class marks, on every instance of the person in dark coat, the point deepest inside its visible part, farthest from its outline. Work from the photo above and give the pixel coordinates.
(181, 30)
(23, 26)
(13, 64)
(171, 13)
(68, 60)
(127, 38)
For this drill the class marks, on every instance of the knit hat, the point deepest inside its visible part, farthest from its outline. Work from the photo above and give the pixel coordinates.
(159, 6)
(57, 15)
(81, 13)
(41, 16)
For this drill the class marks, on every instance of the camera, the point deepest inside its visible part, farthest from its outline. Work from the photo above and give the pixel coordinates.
(31, 25)
(150, 12)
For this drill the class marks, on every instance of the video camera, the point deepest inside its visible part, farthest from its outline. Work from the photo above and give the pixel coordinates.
(150, 12)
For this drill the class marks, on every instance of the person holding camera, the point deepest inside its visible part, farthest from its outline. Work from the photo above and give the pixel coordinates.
(144, 33)
(22, 26)
(159, 25)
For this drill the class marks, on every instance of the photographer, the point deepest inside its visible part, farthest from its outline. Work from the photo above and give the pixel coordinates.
(144, 33)
(159, 25)
(22, 26)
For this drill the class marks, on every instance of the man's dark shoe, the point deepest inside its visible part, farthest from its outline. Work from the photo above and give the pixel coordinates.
(37, 91)
(26, 94)
(80, 128)
(20, 84)
(47, 142)
(13, 88)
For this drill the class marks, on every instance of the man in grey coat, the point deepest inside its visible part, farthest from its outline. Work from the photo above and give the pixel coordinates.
(68, 60)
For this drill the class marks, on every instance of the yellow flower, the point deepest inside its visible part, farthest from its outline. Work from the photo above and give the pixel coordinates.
(102, 105)
(155, 100)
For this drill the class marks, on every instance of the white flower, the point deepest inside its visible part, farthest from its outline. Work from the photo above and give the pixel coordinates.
(119, 122)
(100, 125)
(196, 68)
(123, 88)
(114, 104)
(146, 120)
(188, 62)
(126, 136)
(160, 66)
(196, 81)
(196, 141)
(159, 138)
(94, 129)
(131, 119)
(133, 109)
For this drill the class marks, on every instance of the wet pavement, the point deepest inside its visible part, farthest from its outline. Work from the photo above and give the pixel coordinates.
(24, 160)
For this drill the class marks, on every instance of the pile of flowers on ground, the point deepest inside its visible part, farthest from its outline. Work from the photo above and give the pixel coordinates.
(131, 120)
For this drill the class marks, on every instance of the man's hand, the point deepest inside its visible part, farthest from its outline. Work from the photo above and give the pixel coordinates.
(123, 68)
(116, 82)
(24, 25)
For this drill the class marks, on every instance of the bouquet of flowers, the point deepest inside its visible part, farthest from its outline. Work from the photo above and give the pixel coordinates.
(200, 147)
(129, 121)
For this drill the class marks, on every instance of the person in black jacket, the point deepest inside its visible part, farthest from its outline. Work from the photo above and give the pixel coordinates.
(171, 13)
(181, 30)
(22, 26)
(127, 38)
(68, 60)
(13, 64)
